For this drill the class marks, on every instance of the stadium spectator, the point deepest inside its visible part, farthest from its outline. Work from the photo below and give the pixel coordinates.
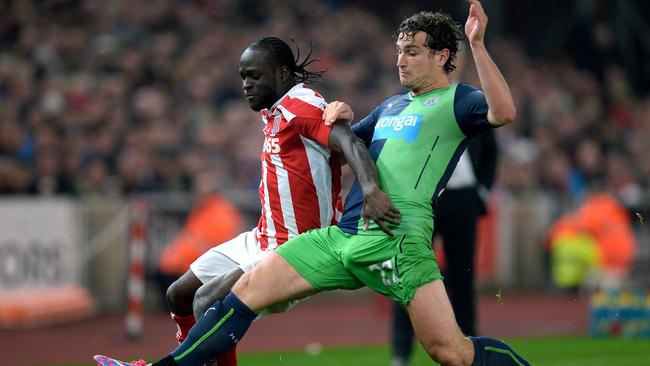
(592, 247)
(74, 78)
(213, 219)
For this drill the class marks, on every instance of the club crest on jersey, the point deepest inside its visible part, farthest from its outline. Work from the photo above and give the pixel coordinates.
(276, 125)
(404, 126)
(430, 101)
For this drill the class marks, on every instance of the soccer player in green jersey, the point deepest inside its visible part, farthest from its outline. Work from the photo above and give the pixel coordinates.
(416, 139)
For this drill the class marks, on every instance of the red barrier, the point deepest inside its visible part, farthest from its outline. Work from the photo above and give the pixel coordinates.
(137, 257)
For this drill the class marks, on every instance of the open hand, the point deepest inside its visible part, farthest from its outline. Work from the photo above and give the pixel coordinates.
(476, 22)
(378, 207)
(337, 110)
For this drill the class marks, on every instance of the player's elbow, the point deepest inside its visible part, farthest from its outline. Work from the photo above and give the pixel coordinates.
(504, 116)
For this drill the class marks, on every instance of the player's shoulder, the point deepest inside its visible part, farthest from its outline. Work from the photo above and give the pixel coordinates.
(304, 102)
(303, 95)
(468, 91)
(391, 101)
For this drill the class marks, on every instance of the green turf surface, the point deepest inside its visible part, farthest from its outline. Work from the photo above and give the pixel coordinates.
(561, 351)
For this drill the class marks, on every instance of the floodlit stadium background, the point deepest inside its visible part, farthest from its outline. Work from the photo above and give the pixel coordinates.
(106, 103)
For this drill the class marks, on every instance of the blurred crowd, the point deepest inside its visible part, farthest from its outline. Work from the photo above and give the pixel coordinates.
(120, 97)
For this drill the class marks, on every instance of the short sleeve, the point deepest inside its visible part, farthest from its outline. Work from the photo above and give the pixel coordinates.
(313, 129)
(470, 109)
(306, 116)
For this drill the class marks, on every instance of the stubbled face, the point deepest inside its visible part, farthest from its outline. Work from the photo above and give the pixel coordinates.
(418, 65)
(259, 79)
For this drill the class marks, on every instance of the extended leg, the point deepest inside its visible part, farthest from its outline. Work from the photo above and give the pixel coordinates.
(435, 327)
(226, 322)
(211, 292)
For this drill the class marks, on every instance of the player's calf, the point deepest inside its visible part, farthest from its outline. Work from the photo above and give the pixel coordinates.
(493, 352)
(220, 329)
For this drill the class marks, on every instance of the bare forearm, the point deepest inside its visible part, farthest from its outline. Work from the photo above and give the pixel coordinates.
(376, 204)
(501, 107)
(355, 153)
(362, 164)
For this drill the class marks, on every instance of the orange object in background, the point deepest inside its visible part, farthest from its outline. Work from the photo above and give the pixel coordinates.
(608, 223)
(37, 307)
(213, 221)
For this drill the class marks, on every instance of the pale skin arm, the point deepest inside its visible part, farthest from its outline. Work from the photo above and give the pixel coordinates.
(337, 111)
(501, 107)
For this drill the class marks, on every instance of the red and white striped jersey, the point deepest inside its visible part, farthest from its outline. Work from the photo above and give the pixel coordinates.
(301, 178)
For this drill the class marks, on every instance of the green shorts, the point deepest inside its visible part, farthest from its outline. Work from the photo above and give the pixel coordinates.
(331, 259)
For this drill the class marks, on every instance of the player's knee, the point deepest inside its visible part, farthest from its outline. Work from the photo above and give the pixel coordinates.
(201, 303)
(172, 295)
(242, 285)
(444, 355)
(180, 296)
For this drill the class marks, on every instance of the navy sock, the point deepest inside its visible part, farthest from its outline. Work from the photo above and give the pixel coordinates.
(493, 352)
(216, 332)
(167, 361)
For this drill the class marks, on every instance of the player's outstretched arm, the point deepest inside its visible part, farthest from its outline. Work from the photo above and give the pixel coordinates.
(377, 206)
(501, 107)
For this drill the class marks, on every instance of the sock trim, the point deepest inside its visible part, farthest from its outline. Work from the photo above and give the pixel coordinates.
(504, 351)
(206, 335)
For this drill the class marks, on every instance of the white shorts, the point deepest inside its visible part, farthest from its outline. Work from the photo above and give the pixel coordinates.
(244, 252)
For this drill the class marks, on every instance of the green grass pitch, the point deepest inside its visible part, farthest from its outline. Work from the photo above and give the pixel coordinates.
(557, 351)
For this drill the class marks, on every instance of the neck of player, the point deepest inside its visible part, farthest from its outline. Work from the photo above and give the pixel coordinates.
(437, 83)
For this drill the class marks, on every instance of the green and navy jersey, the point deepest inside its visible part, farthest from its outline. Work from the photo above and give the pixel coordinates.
(416, 142)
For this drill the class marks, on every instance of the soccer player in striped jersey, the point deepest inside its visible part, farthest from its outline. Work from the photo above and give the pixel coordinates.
(416, 139)
(300, 181)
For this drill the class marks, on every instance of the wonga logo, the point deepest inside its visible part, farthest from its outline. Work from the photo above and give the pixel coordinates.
(404, 126)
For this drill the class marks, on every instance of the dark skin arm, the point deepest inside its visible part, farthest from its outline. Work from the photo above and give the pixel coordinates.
(215, 289)
(376, 205)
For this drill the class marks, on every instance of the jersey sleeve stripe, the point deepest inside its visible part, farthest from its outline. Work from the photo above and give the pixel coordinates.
(270, 233)
(286, 201)
(321, 175)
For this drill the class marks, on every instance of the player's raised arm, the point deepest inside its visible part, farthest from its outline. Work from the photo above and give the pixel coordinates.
(501, 107)
(377, 206)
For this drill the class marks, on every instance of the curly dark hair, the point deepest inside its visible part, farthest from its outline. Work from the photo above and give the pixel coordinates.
(442, 32)
(282, 55)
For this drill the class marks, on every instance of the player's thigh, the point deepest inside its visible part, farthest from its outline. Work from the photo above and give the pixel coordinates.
(404, 263)
(225, 257)
(271, 282)
(316, 256)
(304, 265)
(433, 318)
(215, 290)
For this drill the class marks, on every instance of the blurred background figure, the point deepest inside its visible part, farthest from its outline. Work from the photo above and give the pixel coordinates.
(592, 247)
(213, 219)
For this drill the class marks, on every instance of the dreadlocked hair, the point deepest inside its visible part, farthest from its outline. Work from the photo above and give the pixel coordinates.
(442, 32)
(281, 55)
